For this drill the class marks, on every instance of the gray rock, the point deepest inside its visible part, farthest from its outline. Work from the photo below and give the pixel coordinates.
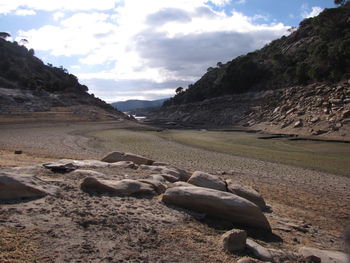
(124, 187)
(326, 256)
(81, 173)
(217, 203)
(121, 156)
(67, 165)
(182, 184)
(246, 192)
(175, 172)
(124, 165)
(14, 186)
(158, 177)
(234, 240)
(157, 185)
(259, 251)
(207, 181)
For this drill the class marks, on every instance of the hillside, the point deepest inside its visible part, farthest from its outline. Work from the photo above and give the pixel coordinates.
(296, 84)
(138, 106)
(30, 89)
(318, 51)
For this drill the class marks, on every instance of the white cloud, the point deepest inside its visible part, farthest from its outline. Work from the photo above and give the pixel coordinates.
(154, 44)
(25, 12)
(307, 13)
(58, 15)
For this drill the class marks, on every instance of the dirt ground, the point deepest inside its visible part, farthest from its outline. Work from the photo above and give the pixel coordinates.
(308, 208)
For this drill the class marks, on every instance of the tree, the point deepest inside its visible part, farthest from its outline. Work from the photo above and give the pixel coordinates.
(4, 35)
(179, 90)
(340, 2)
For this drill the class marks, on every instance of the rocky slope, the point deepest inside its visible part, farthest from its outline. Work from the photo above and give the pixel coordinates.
(29, 88)
(316, 109)
(297, 81)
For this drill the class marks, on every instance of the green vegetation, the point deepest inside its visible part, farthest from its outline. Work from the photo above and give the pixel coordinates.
(323, 156)
(318, 51)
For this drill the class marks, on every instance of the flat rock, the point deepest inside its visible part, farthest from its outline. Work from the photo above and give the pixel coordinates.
(124, 187)
(121, 156)
(326, 256)
(246, 192)
(67, 165)
(14, 186)
(207, 181)
(234, 240)
(182, 184)
(259, 251)
(176, 173)
(218, 204)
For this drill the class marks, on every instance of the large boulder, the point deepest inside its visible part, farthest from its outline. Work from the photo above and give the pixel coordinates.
(13, 186)
(234, 240)
(124, 187)
(326, 256)
(246, 192)
(207, 181)
(176, 173)
(121, 156)
(219, 204)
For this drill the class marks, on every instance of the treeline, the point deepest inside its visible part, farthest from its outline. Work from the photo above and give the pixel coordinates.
(20, 68)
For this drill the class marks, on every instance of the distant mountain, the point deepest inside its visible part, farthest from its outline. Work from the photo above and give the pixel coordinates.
(138, 105)
(29, 87)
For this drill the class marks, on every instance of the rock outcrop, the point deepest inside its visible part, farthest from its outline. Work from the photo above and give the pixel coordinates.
(206, 180)
(218, 204)
(121, 156)
(13, 186)
(246, 192)
(124, 187)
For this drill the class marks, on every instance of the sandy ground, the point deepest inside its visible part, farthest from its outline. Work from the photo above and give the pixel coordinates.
(76, 227)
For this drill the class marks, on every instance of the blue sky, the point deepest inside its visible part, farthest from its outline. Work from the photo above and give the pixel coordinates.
(132, 49)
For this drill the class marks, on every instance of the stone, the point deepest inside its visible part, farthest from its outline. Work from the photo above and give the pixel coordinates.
(234, 240)
(158, 177)
(298, 124)
(175, 172)
(124, 187)
(18, 152)
(247, 260)
(62, 166)
(121, 156)
(182, 184)
(207, 181)
(81, 173)
(326, 256)
(345, 114)
(157, 185)
(218, 204)
(246, 192)
(14, 187)
(124, 165)
(315, 119)
(259, 251)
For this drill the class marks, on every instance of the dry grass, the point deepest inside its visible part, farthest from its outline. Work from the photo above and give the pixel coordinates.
(17, 246)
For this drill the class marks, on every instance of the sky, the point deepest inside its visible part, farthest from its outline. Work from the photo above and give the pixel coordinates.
(145, 49)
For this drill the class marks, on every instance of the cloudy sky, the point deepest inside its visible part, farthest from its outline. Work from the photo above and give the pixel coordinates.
(145, 49)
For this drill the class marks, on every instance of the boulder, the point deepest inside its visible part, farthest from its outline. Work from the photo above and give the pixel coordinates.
(124, 187)
(326, 256)
(67, 165)
(81, 173)
(121, 156)
(234, 240)
(157, 185)
(176, 173)
(246, 192)
(14, 186)
(124, 165)
(259, 251)
(218, 204)
(207, 181)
